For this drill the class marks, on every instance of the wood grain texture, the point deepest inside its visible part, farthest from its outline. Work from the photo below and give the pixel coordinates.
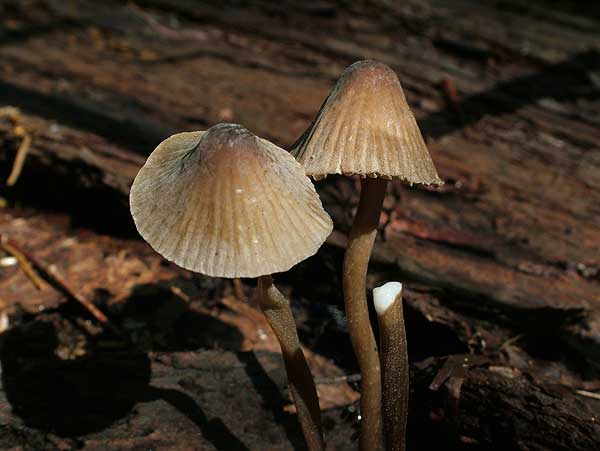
(502, 261)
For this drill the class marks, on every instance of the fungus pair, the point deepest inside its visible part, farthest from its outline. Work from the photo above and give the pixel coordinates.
(366, 127)
(226, 203)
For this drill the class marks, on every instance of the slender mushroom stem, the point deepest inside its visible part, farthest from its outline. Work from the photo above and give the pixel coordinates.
(394, 364)
(279, 315)
(356, 262)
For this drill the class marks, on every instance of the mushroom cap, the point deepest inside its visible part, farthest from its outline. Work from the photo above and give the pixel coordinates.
(366, 127)
(227, 203)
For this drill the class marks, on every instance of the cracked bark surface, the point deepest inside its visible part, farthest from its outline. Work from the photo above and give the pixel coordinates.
(501, 262)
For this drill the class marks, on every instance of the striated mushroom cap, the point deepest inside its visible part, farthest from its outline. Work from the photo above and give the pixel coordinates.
(366, 127)
(226, 203)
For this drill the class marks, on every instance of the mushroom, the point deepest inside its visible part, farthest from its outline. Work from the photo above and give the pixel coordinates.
(365, 127)
(394, 364)
(227, 203)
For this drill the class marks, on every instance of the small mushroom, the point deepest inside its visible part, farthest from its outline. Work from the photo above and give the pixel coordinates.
(366, 127)
(394, 364)
(226, 203)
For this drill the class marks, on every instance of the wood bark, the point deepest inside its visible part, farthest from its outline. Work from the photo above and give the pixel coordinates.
(502, 262)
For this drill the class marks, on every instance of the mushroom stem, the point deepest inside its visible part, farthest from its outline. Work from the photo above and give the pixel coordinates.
(279, 315)
(356, 262)
(394, 364)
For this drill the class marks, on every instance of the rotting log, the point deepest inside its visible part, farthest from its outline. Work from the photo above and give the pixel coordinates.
(501, 261)
(475, 422)
(497, 407)
(65, 398)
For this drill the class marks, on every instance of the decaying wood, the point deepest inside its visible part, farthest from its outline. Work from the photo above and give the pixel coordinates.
(543, 415)
(168, 397)
(501, 262)
(169, 400)
(24, 262)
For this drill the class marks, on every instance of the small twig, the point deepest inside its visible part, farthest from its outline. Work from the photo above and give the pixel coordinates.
(452, 375)
(588, 394)
(511, 341)
(52, 275)
(23, 260)
(454, 385)
(61, 282)
(179, 293)
(20, 156)
(456, 366)
(453, 366)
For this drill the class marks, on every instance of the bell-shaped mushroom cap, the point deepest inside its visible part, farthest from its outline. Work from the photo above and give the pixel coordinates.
(226, 203)
(366, 127)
